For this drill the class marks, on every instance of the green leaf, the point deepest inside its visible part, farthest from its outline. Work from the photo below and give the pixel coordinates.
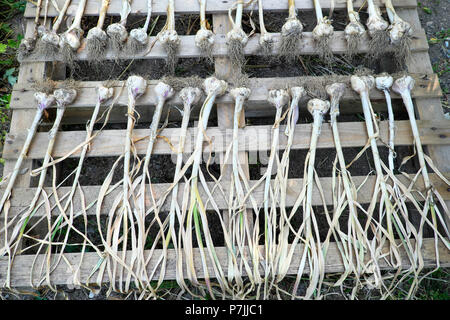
(12, 80)
(3, 47)
(9, 72)
(427, 10)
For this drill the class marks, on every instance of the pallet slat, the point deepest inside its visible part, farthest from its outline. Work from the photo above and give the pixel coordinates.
(62, 274)
(252, 138)
(212, 7)
(427, 86)
(188, 49)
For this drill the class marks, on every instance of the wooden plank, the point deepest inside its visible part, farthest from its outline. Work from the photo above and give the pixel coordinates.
(213, 6)
(21, 196)
(252, 138)
(22, 270)
(427, 85)
(188, 49)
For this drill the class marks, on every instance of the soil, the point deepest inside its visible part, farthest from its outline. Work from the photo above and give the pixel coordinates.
(96, 169)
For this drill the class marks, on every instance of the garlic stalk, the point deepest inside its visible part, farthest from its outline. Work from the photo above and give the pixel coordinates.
(190, 96)
(63, 97)
(282, 177)
(403, 86)
(362, 86)
(278, 98)
(49, 40)
(236, 37)
(377, 28)
(322, 34)
(43, 101)
(117, 32)
(71, 39)
(356, 240)
(97, 40)
(291, 33)
(214, 88)
(353, 31)
(400, 33)
(265, 38)
(163, 93)
(204, 38)
(138, 39)
(27, 45)
(169, 38)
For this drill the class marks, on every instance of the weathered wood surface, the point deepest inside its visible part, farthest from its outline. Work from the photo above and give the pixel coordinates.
(63, 272)
(188, 49)
(212, 7)
(427, 86)
(21, 196)
(251, 138)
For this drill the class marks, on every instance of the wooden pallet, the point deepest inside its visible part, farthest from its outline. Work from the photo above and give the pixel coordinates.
(434, 130)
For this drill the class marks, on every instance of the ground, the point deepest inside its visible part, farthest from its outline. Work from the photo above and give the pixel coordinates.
(434, 18)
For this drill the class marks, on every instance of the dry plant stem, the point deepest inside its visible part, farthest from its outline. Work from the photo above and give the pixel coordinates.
(190, 97)
(96, 40)
(291, 34)
(265, 38)
(71, 39)
(403, 86)
(44, 101)
(362, 85)
(282, 178)
(357, 240)
(27, 45)
(138, 39)
(63, 97)
(279, 99)
(237, 38)
(117, 32)
(204, 39)
(353, 31)
(322, 34)
(213, 88)
(169, 38)
(163, 92)
(377, 28)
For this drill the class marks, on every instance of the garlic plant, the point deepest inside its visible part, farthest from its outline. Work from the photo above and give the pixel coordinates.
(63, 97)
(403, 86)
(322, 34)
(169, 38)
(377, 28)
(49, 40)
(400, 33)
(204, 38)
(236, 38)
(138, 39)
(27, 45)
(265, 38)
(279, 99)
(362, 85)
(190, 96)
(71, 39)
(97, 40)
(356, 242)
(44, 101)
(117, 32)
(296, 94)
(353, 31)
(163, 92)
(291, 33)
(197, 212)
